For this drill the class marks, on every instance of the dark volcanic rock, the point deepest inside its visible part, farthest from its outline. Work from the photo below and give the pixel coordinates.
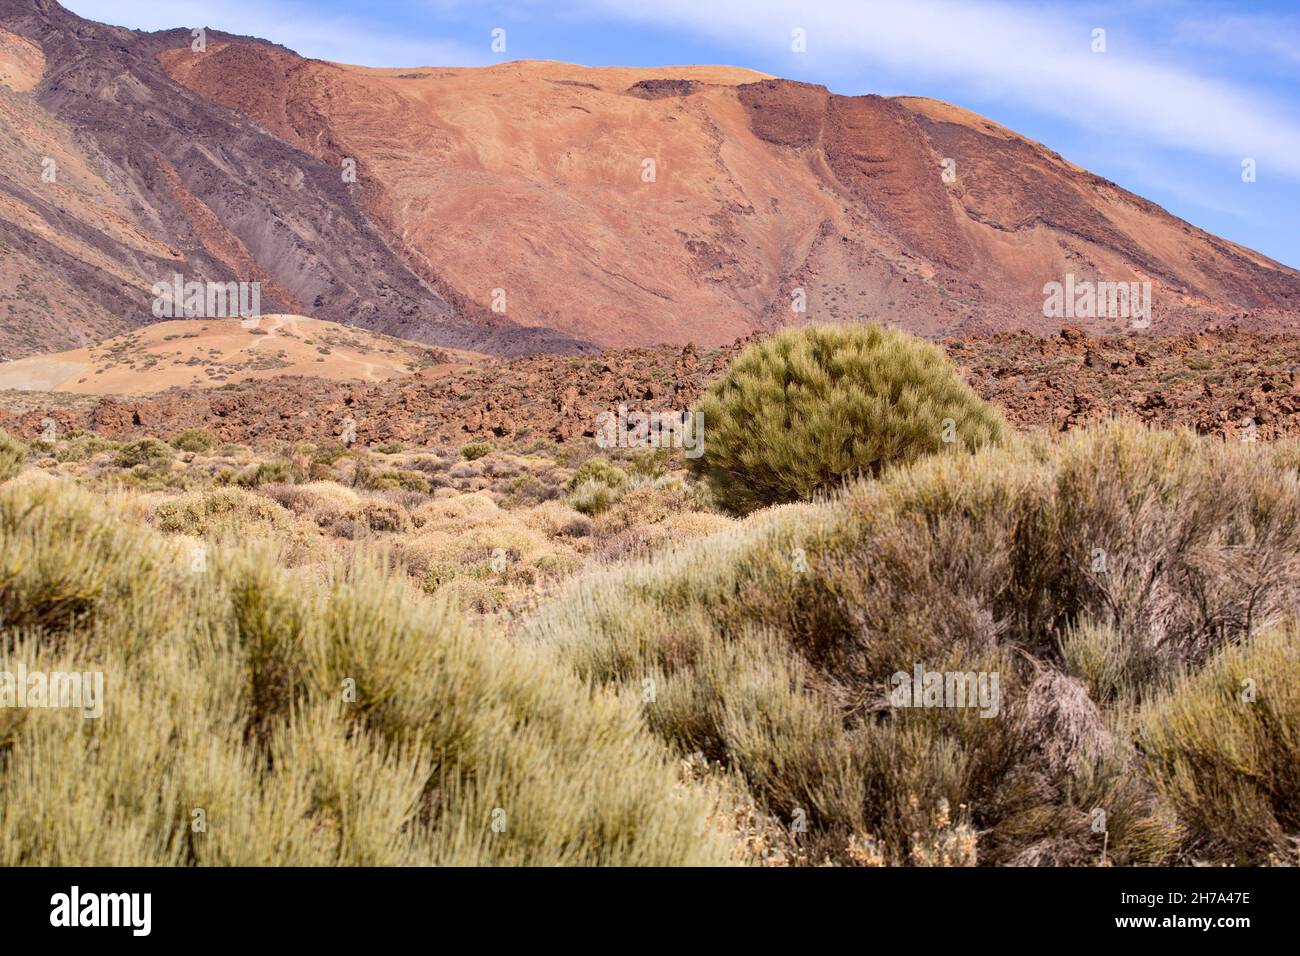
(234, 201)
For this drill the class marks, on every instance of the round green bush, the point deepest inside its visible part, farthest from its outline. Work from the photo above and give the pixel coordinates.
(12, 455)
(801, 412)
(476, 450)
(592, 498)
(144, 451)
(194, 439)
(598, 470)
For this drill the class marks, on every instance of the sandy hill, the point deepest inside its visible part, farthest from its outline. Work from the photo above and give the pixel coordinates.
(213, 352)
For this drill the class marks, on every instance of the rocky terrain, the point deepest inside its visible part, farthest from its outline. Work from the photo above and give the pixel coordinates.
(1233, 383)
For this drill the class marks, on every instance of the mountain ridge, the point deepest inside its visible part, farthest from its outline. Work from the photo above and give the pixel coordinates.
(225, 199)
(537, 206)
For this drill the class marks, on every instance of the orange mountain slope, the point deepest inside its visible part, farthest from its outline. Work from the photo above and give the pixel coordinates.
(635, 206)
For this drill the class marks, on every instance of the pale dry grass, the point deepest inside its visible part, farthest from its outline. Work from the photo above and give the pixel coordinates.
(252, 717)
(771, 645)
(1108, 577)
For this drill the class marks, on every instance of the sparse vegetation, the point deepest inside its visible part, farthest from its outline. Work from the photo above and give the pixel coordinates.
(288, 764)
(80, 447)
(1123, 583)
(12, 455)
(222, 513)
(771, 646)
(276, 471)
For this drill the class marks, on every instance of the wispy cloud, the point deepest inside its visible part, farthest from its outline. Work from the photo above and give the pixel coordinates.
(1039, 57)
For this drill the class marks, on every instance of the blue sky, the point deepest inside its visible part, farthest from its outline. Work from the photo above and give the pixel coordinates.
(1184, 92)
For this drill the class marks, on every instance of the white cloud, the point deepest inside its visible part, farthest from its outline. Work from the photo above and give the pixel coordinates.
(1038, 57)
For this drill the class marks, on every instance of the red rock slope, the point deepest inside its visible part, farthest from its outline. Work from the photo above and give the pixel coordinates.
(531, 178)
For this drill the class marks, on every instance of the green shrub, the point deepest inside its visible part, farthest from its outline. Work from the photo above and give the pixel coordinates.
(1224, 747)
(222, 512)
(275, 472)
(341, 719)
(476, 450)
(802, 412)
(387, 479)
(592, 498)
(194, 439)
(596, 486)
(1087, 572)
(149, 452)
(384, 516)
(330, 453)
(650, 464)
(598, 470)
(1111, 664)
(12, 455)
(80, 447)
(407, 480)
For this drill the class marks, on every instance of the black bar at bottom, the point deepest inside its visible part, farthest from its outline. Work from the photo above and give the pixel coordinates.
(334, 906)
